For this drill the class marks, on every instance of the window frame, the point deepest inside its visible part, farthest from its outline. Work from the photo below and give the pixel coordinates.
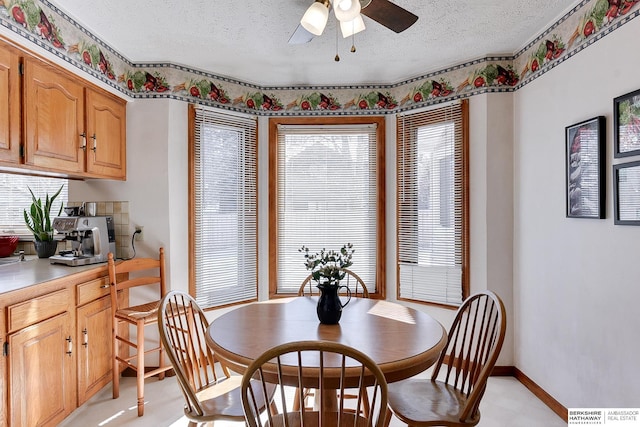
(465, 252)
(192, 206)
(274, 122)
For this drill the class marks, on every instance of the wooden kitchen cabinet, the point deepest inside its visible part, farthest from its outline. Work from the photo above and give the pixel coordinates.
(10, 105)
(57, 346)
(41, 361)
(51, 121)
(55, 137)
(43, 373)
(106, 133)
(94, 347)
(93, 335)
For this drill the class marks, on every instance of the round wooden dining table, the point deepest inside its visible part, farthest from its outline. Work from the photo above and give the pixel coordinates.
(401, 340)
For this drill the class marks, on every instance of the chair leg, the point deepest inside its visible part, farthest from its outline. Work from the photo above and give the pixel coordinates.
(161, 362)
(387, 417)
(365, 403)
(140, 367)
(116, 366)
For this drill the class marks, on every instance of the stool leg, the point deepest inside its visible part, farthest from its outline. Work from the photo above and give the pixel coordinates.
(116, 366)
(140, 367)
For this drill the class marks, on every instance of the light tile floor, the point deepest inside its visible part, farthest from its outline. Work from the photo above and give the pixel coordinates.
(506, 403)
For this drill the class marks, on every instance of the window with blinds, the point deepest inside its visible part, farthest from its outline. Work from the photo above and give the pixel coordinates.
(328, 194)
(224, 202)
(15, 198)
(432, 205)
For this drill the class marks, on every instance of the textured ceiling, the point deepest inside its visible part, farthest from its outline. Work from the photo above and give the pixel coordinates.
(247, 39)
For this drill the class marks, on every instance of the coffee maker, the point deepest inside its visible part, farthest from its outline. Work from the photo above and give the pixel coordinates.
(91, 237)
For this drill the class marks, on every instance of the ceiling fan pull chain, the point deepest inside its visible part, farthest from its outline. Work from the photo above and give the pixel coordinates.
(337, 58)
(353, 36)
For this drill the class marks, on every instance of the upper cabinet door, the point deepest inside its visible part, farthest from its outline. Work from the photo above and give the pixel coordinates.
(9, 105)
(53, 119)
(106, 135)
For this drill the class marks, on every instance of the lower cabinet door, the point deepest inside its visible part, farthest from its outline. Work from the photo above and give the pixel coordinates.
(42, 373)
(94, 347)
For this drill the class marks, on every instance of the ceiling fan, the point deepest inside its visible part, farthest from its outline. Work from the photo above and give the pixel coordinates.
(349, 14)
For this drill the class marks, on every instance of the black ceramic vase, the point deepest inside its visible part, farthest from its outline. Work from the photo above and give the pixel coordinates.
(45, 249)
(329, 305)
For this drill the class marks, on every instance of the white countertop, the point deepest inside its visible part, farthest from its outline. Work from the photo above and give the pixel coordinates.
(34, 271)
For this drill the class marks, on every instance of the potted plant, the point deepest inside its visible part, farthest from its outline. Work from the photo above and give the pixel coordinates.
(38, 219)
(327, 271)
(326, 266)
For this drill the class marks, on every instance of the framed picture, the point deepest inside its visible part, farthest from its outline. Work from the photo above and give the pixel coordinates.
(626, 124)
(585, 156)
(626, 193)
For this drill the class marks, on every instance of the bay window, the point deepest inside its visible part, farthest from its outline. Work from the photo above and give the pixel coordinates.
(223, 205)
(432, 179)
(326, 190)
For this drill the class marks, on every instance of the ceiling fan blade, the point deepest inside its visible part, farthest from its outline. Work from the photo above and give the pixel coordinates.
(390, 15)
(300, 36)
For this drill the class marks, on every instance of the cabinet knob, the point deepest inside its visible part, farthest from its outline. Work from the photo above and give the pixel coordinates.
(85, 338)
(84, 141)
(95, 145)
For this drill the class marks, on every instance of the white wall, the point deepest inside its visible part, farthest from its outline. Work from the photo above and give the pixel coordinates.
(263, 208)
(156, 185)
(178, 195)
(576, 280)
(491, 203)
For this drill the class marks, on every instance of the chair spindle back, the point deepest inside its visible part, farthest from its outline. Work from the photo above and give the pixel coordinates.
(475, 340)
(326, 366)
(183, 327)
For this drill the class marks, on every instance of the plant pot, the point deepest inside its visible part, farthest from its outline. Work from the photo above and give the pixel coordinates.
(45, 249)
(329, 307)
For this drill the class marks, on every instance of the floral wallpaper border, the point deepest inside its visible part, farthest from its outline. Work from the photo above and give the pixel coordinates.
(45, 25)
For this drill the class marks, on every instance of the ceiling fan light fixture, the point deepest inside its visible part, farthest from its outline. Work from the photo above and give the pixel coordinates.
(315, 18)
(352, 27)
(346, 10)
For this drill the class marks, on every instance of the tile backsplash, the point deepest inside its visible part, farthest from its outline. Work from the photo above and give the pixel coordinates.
(120, 213)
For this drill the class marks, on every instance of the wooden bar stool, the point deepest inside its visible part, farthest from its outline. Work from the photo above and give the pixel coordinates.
(139, 272)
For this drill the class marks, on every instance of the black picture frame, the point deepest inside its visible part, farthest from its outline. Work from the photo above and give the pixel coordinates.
(626, 124)
(626, 193)
(585, 146)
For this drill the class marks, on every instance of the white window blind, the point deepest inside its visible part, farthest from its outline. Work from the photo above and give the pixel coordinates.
(225, 186)
(15, 198)
(327, 197)
(431, 186)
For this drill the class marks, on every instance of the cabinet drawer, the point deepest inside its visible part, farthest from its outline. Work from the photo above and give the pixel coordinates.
(92, 290)
(37, 309)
